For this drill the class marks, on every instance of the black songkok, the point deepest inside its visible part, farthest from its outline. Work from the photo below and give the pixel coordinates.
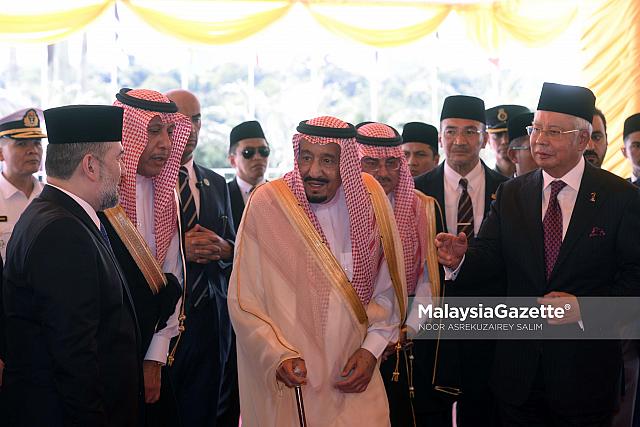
(573, 100)
(84, 123)
(517, 125)
(421, 132)
(632, 124)
(463, 107)
(245, 130)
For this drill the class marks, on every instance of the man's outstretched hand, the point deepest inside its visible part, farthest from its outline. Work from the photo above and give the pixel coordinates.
(451, 249)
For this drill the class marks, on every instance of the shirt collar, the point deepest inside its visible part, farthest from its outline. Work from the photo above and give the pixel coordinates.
(245, 187)
(571, 178)
(190, 170)
(472, 177)
(83, 204)
(8, 190)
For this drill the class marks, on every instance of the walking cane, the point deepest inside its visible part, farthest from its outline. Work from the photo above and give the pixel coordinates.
(300, 405)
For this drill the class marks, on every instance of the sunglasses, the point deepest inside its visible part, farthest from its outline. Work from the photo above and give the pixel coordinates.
(248, 153)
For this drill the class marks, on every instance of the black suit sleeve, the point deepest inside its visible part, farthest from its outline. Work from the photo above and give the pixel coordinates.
(229, 233)
(68, 302)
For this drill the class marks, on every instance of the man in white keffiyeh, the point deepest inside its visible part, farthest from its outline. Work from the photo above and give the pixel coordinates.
(314, 297)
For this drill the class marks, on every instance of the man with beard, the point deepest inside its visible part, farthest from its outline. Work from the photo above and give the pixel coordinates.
(497, 118)
(519, 147)
(597, 147)
(465, 187)
(143, 230)
(566, 231)
(631, 148)
(420, 147)
(204, 349)
(72, 336)
(249, 155)
(381, 156)
(315, 295)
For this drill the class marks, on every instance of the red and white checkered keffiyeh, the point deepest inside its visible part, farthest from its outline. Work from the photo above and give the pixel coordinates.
(364, 241)
(405, 199)
(134, 140)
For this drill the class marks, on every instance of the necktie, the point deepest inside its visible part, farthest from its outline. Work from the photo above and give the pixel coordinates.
(105, 236)
(196, 282)
(189, 215)
(465, 210)
(552, 227)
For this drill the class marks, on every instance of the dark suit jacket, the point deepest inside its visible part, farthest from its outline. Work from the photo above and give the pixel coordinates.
(216, 215)
(578, 375)
(73, 349)
(473, 374)
(237, 203)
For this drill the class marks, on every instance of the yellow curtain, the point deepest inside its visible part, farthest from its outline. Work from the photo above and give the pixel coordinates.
(491, 25)
(379, 24)
(209, 22)
(611, 46)
(39, 25)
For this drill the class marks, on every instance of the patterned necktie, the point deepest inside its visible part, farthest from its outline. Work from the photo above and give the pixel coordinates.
(187, 203)
(552, 227)
(465, 210)
(196, 280)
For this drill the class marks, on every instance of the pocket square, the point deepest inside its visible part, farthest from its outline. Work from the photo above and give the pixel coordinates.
(597, 232)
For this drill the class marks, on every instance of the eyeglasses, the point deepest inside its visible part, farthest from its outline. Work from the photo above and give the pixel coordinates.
(522, 147)
(369, 164)
(551, 133)
(248, 153)
(467, 133)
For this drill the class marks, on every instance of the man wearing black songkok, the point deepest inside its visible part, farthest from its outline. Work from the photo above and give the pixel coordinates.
(464, 187)
(249, 155)
(631, 148)
(565, 231)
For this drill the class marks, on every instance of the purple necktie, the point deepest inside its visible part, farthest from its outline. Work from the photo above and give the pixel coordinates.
(552, 226)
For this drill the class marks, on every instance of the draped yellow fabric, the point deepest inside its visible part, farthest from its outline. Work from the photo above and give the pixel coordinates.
(33, 25)
(611, 46)
(209, 22)
(386, 24)
(528, 22)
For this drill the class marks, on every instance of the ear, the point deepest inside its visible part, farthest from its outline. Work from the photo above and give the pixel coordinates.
(485, 138)
(623, 149)
(583, 139)
(440, 140)
(436, 158)
(232, 160)
(2, 152)
(91, 167)
(512, 156)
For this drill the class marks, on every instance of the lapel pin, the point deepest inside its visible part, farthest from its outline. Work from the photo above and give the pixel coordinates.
(206, 182)
(592, 198)
(493, 196)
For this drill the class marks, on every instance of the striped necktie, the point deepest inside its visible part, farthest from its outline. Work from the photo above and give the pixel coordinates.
(189, 215)
(197, 283)
(465, 210)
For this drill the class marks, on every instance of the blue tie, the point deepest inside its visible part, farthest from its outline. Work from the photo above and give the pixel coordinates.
(105, 236)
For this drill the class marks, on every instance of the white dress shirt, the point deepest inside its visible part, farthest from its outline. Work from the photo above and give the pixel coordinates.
(159, 347)
(333, 217)
(12, 203)
(567, 196)
(245, 188)
(452, 192)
